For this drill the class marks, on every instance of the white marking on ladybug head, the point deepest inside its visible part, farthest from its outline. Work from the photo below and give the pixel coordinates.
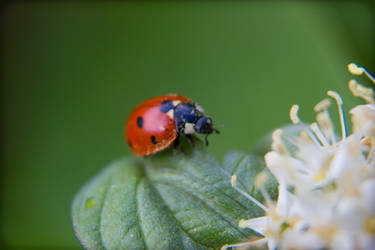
(175, 103)
(189, 128)
(170, 113)
(199, 108)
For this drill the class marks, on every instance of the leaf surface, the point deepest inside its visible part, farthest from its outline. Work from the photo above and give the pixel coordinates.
(167, 201)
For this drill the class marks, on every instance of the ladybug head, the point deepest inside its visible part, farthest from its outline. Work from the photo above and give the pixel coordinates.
(204, 126)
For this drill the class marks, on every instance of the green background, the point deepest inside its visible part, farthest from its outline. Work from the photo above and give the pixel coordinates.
(72, 72)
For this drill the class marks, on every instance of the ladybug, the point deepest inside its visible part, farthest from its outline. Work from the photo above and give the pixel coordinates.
(158, 122)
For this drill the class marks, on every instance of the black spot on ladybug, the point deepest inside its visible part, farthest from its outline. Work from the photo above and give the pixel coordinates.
(130, 144)
(140, 121)
(153, 140)
(166, 106)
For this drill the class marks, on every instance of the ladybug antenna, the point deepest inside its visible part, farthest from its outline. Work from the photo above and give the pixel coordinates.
(218, 125)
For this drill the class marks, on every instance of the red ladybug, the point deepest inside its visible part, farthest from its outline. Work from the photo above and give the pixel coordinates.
(158, 122)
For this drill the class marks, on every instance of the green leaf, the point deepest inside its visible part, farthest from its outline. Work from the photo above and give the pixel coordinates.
(167, 201)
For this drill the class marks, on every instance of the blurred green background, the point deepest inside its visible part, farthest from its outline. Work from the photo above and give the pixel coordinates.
(72, 72)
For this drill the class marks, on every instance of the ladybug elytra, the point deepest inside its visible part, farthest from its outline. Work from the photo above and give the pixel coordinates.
(158, 122)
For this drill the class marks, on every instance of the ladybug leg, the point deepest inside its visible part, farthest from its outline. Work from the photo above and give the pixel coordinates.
(190, 139)
(205, 140)
(176, 143)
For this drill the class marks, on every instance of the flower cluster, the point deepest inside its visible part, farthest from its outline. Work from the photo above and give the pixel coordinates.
(326, 196)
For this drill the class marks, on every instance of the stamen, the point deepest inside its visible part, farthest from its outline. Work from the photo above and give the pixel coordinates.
(322, 105)
(260, 180)
(367, 141)
(306, 138)
(315, 128)
(233, 180)
(266, 196)
(277, 143)
(369, 144)
(338, 99)
(246, 244)
(360, 91)
(290, 140)
(324, 119)
(313, 137)
(356, 70)
(255, 201)
(325, 122)
(293, 114)
(276, 135)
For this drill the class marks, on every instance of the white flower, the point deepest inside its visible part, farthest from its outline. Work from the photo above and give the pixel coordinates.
(326, 185)
(363, 118)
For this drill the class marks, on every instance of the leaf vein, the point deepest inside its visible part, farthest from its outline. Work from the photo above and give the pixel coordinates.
(212, 208)
(175, 218)
(100, 219)
(192, 177)
(137, 213)
(236, 168)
